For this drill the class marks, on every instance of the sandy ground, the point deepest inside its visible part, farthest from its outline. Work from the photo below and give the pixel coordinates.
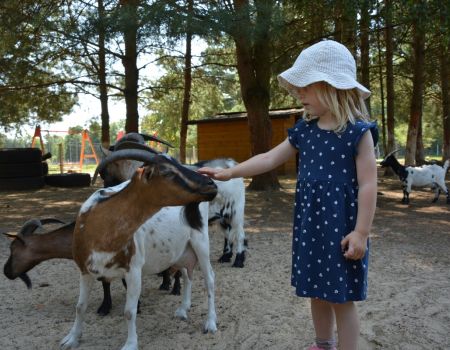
(409, 283)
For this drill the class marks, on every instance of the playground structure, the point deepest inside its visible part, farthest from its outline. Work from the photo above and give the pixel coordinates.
(85, 138)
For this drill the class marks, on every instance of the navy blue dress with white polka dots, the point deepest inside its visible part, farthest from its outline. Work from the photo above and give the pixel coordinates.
(325, 212)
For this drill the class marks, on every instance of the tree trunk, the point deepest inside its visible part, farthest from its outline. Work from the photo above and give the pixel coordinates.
(420, 151)
(345, 25)
(388, 132)
(187, 86)
(445, 89)
(390, 92)
(316, 20)
(382, 99)
(130, 25)
(417, 93)
(365, 45)
(102, 76)
(253, 65)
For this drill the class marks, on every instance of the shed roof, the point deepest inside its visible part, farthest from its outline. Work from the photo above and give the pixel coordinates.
(233, 116)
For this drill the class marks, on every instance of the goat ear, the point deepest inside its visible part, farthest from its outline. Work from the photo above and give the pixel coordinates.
(150, 170)
(12, 236)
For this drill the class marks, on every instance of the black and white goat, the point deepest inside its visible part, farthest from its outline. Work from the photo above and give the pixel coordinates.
(113, 236)
(424, 176)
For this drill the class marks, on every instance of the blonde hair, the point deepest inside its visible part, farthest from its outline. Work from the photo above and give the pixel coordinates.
(345, 105)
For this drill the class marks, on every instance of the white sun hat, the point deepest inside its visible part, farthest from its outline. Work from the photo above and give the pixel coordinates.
(327, 61)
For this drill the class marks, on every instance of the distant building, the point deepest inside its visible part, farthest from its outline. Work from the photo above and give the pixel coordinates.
(227, 135)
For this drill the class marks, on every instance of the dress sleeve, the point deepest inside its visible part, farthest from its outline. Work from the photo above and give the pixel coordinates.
(294, 133)
(361, 129)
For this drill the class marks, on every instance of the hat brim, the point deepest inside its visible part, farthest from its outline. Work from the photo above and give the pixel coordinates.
(292, 77)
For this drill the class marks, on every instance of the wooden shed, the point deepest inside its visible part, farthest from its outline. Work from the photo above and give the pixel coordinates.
(228, 135)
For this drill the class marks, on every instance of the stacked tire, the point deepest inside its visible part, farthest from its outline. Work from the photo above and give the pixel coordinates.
(21, 169)
(68, 180)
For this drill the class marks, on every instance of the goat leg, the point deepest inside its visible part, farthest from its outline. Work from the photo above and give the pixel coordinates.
(165, 285)
(124, 282)
(176, 290)
(106, 305)
(227, 252)
(72, 339)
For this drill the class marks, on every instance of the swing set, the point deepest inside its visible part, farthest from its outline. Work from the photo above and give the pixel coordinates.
(83, 155)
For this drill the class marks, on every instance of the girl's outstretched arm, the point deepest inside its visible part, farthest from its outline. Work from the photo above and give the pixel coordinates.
(259, 164)
(355, 243)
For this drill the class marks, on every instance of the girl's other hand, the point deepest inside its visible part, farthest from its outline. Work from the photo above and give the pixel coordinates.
(354, 245)
(216, 174)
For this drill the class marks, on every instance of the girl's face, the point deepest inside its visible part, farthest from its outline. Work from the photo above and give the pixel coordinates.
(308, 97)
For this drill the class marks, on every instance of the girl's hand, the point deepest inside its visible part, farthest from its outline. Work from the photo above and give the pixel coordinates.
(216, 174)
(354, 245)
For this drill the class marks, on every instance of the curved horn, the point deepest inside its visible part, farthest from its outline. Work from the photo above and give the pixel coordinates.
(133, 154)
(391, 153)
(154, 138)
(51, 221)
(133, 137)
(29, 227)
(134, 145)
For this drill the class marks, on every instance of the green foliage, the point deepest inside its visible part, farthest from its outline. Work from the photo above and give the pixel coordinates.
(31, 74)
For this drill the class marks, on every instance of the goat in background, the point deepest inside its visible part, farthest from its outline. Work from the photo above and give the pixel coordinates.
(427, 175)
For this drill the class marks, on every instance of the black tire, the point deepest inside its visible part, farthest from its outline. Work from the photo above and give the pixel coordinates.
(22, 183)
(9, 170)
(68, 180)
(20, 155)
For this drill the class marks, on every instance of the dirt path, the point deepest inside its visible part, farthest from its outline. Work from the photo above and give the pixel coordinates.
(409, 283)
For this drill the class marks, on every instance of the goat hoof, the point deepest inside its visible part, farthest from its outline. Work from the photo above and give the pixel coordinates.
(181, 314)
(226, 258)
(164, 286)
(210, 327)
(103, 310)
(130, 346)
(176, 291)
(239, 261)
(70, 341)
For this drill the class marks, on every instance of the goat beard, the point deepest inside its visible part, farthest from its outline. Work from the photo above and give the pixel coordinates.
(24, 277)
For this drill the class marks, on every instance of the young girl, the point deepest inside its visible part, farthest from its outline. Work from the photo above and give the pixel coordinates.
(336, 188)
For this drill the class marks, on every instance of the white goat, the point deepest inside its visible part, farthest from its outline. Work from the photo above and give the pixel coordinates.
(426, 175)
(113, 237)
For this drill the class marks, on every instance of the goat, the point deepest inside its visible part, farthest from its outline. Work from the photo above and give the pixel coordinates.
(108, 245)
(426, 175)
(227, 208)
(28, 250)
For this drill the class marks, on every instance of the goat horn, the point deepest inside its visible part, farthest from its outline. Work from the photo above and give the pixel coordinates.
(132, 154)
(51, 221)
(134, 145)
(29, 227)
(391, 153)
(133, 137)
(157, 139)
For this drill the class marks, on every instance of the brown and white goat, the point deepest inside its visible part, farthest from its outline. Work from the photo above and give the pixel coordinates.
(107, 243)
(227, 209)
(29, 249)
